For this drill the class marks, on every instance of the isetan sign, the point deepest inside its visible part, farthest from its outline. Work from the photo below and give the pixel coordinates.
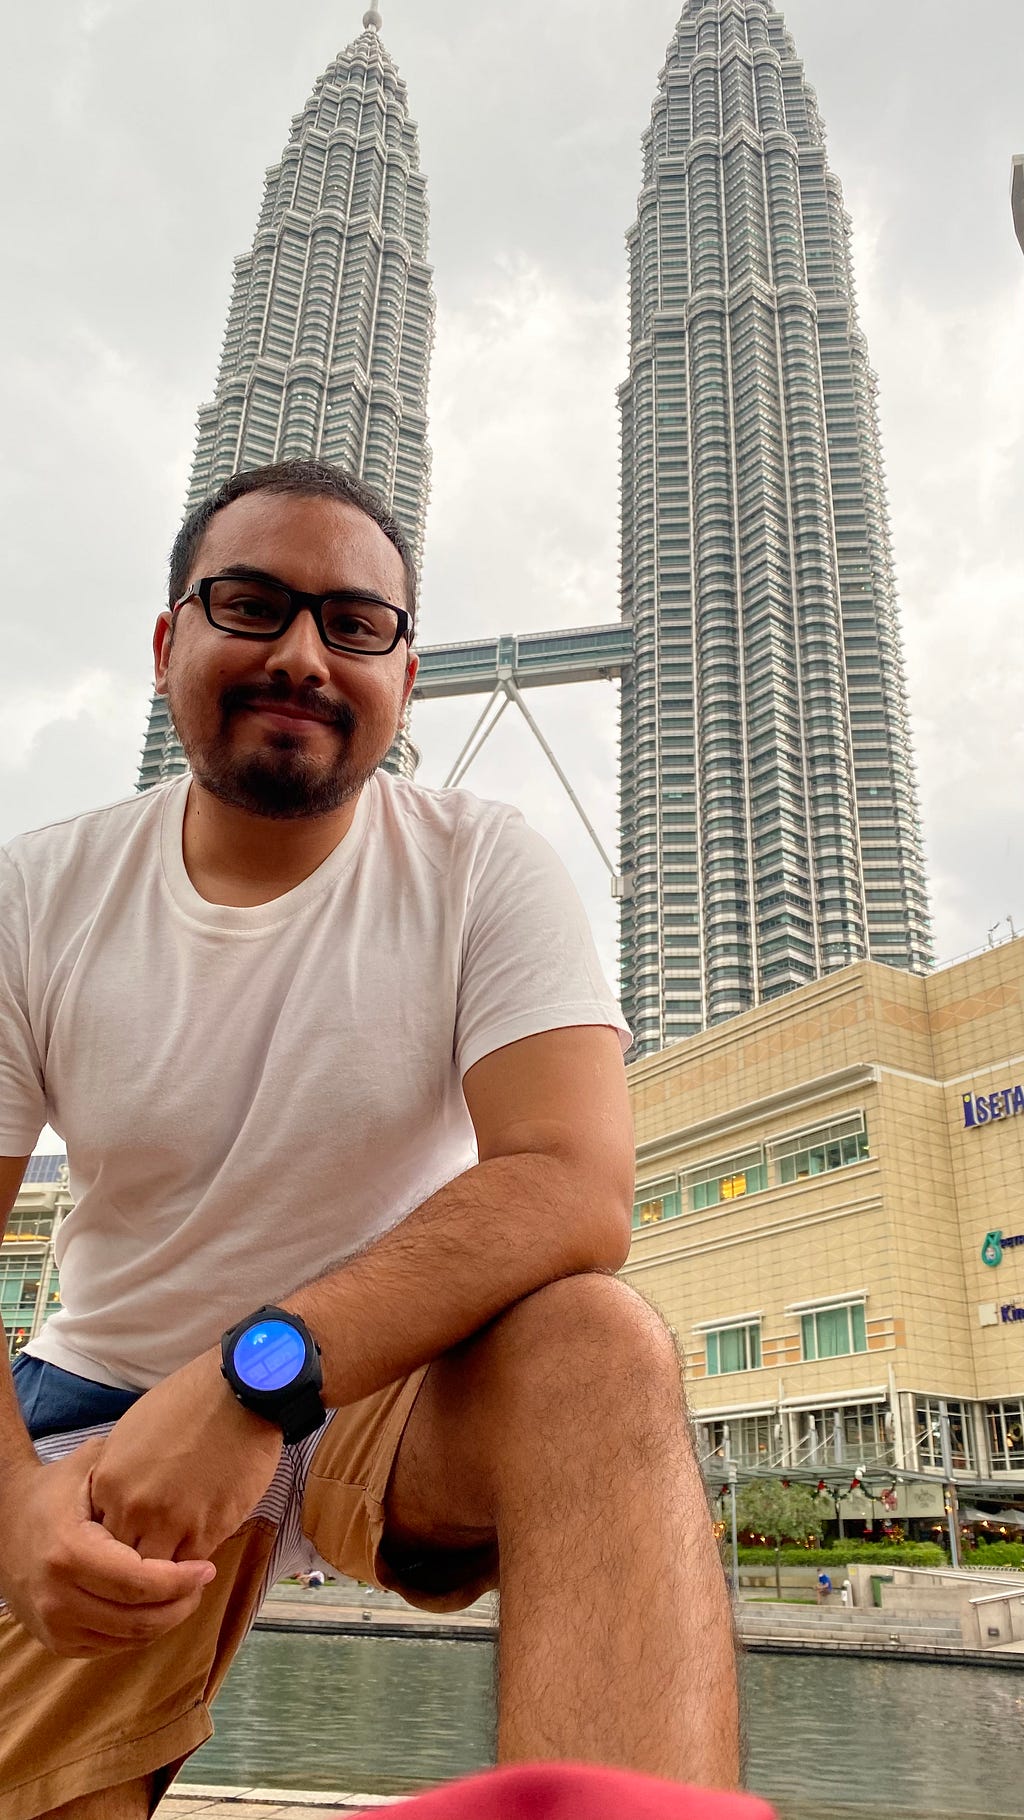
(986, 1108)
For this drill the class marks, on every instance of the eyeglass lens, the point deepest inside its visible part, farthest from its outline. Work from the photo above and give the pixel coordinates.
(257, 607)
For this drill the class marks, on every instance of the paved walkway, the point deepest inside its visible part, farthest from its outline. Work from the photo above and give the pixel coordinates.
(345, 1609)
(208, 1803)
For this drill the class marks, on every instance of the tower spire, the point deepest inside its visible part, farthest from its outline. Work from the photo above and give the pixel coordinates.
(371, 20)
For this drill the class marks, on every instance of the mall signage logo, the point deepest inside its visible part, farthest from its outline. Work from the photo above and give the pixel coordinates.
(985, 1108)
(994, 1246)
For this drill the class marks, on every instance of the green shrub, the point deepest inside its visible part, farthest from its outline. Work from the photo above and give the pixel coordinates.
(996, 1554)
(896, 1554)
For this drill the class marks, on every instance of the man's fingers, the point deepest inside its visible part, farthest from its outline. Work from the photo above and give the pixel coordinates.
(96, 1627)
(110, 1570)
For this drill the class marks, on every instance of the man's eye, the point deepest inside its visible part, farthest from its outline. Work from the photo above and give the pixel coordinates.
(352, 626)
(251, 608)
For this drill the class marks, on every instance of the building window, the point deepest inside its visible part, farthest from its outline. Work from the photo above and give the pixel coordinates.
(28, 1225)
(656, 1201)
(1006, 1435)
(853, 1433)
(816, 1152)
(745, 1440)
(53, 1301)
(728, 1180)
(733, 1349)
(831, 1333)
(928, 1435)
(19, 1290)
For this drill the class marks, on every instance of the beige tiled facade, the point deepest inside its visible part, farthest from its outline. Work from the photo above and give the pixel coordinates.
(807, 1181)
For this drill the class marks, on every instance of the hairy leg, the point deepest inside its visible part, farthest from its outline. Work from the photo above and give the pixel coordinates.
(562, 1429)
(129, 1801)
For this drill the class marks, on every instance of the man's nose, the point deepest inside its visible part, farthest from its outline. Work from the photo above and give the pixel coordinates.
(299, 653)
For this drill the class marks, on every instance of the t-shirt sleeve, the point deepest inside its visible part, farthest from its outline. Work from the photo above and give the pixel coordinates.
(22, 1095)
(529, 962)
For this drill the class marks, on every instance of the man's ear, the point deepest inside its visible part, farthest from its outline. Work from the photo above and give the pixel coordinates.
(411, 667)
(163, 639)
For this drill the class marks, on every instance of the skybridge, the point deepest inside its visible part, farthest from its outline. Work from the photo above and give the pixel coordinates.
(502, 667)
(531, 660)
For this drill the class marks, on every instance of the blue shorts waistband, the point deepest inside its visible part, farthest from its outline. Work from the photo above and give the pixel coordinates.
(53, 1401)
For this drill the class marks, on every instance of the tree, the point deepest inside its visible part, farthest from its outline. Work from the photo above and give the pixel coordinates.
(779, 1513)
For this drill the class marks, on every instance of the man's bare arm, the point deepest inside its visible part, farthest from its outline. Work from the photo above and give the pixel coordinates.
(15, 1445)
(550, 1197)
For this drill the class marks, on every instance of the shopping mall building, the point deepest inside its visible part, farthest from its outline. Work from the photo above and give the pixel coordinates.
(830, 1215)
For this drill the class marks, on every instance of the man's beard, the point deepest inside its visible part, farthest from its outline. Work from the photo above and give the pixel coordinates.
(282, 781)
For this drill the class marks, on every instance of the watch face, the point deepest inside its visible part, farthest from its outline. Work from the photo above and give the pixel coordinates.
(269, 1355)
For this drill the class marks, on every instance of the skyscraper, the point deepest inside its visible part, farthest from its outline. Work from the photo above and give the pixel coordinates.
(769, 822)
(329, 333)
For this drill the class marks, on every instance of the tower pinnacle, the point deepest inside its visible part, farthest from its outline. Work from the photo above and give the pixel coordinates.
(372, 20)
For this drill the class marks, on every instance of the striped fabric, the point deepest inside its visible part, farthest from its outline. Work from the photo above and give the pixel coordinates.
(280, 1504)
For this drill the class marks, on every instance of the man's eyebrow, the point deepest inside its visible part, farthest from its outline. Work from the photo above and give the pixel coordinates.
(246, 572)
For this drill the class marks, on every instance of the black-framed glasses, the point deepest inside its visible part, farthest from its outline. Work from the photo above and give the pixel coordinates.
(256, 606)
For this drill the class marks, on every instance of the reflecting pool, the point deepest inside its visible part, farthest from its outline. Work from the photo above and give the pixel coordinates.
(826, 1736)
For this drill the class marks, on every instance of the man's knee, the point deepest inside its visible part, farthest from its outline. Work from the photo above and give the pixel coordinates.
(588, 1337)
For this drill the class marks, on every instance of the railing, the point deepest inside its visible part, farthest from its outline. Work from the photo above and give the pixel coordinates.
(1004, 941)
(994, 1620)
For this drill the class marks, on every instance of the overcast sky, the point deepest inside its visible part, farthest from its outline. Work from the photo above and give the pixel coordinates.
(136, 136)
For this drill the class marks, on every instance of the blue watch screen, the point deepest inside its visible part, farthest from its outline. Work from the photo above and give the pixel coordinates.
(269, 1356)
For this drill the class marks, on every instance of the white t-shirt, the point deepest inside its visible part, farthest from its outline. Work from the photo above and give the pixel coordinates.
(248, 1096)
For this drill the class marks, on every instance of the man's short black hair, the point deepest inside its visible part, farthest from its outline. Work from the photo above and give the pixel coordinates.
(307, 479)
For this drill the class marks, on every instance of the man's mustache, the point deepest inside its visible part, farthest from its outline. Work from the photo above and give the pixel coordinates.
(304, 701)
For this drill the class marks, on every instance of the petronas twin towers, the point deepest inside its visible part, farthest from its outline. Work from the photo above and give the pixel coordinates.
(769, 827)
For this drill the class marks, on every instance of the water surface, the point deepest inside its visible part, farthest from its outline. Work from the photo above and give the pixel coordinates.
(827, 1736)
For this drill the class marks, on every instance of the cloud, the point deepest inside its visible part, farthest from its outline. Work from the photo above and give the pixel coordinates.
(522, 535)
(524, 436)
(952, 403)
(52, 738)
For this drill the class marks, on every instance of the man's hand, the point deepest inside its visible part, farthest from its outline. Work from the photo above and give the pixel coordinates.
(184, 1466)
(77, 1590)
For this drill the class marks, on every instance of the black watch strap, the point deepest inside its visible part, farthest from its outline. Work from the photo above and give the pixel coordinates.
(303, 1415)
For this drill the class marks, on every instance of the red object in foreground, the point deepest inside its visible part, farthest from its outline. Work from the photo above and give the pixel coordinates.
(575, 1791)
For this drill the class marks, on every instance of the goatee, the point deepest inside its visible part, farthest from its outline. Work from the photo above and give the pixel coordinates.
(281, 782)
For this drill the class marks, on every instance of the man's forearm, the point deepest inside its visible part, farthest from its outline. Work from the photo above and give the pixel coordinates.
(16, 1449)
(485, 1240)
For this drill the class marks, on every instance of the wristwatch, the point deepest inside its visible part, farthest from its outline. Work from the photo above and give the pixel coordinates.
(272, 1364)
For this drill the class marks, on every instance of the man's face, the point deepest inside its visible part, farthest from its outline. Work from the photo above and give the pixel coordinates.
(285, 728)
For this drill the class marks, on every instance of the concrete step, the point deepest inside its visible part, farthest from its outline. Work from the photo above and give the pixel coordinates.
(841, 1617)
(907, 1630)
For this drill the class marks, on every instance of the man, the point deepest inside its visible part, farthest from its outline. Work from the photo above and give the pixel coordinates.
(321, 1040)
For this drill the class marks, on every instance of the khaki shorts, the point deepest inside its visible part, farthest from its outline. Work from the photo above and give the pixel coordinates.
(71, 1727)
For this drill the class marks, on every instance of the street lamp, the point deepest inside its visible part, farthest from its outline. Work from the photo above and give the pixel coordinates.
(734, 1537)
(950, 1496)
